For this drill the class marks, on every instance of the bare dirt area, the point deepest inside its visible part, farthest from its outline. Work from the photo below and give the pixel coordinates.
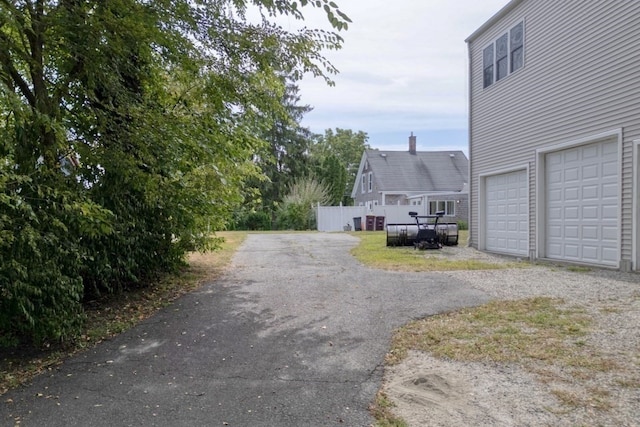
(429, 391)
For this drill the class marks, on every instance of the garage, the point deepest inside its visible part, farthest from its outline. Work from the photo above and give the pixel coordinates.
(581, 199)
(507, 213)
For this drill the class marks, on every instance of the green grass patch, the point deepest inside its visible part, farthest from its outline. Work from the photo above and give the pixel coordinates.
(534, 329)
(578, 269)
(374, 252)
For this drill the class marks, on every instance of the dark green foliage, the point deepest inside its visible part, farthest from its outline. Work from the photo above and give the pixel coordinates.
(40, 289)
(333, 173)
(285, 158)
(463, 225)
(253, 221)
(346, 147)
(127, 132)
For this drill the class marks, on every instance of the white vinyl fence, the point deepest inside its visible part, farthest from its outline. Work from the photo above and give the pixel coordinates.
(336, 218)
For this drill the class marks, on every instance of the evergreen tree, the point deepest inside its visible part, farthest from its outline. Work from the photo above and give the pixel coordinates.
(286, 157)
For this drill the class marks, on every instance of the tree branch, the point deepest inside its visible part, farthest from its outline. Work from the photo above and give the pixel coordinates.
(12, 73)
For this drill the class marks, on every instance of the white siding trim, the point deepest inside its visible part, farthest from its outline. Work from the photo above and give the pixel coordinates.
(482, 197)
(635, 256)
(541, 185)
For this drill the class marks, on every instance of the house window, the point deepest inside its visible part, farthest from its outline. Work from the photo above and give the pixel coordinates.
(488, 65)
(370, 182)
(503, 56)
(448, 206)
(364, 183)
(517, 47)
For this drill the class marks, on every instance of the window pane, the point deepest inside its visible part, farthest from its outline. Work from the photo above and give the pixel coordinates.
(501, 47)
(488, 76)
(517, 36)
(487, 58)
(517, 47)
(487, 65)
(503, 69)
(517, 59)
(502, 54)
(451, 208)
(432, 208)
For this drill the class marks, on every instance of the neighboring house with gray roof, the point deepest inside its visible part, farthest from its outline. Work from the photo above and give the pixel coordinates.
(436, 179)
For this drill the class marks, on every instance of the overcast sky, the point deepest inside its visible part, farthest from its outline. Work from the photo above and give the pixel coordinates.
(403, 69)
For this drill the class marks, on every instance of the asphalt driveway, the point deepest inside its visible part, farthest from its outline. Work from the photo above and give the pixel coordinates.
(294, 335)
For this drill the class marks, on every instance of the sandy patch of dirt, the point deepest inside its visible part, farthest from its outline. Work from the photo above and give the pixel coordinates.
(433, 392)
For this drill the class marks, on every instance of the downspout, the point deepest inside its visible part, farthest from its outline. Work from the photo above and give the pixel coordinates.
(469, 176)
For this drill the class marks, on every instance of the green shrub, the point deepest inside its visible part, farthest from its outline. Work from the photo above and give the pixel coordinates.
(253, 221)
(297, 209)
(40, 286)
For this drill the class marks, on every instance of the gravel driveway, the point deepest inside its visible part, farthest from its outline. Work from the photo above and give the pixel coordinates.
(294, 335)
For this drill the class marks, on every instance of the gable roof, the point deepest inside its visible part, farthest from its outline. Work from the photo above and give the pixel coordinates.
(424, 171)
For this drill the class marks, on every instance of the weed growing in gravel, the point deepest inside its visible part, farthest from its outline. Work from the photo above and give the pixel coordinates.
(381, 410)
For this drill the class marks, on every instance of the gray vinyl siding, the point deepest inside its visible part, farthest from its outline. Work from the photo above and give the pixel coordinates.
(579, 79)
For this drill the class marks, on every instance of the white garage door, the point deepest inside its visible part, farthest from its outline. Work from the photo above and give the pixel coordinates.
(507, 213)
(582, 204)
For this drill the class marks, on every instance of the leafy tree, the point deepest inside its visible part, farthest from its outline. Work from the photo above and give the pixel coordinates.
(347, 147)
(126, 127)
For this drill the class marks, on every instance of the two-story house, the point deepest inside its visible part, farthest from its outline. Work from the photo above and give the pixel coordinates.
(435, 179)
(554, 132)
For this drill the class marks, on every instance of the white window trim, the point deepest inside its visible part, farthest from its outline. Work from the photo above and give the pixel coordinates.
(437, 202)
(493, 43)
(364, 184)
(370, 182)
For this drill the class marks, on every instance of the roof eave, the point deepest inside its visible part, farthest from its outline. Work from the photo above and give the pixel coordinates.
(502, 12)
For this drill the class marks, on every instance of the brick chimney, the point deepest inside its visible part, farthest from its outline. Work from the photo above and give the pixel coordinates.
(412, 144)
